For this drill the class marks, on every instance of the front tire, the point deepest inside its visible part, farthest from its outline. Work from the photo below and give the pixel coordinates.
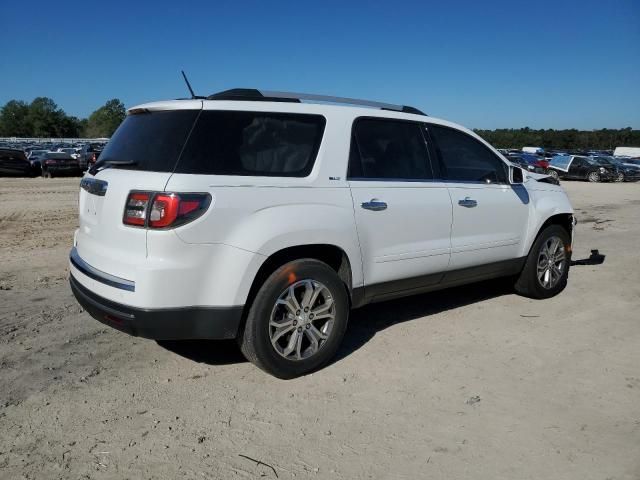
(47, 174)
(593, 177)
(546, 269)
(297, 320)
(620, 177)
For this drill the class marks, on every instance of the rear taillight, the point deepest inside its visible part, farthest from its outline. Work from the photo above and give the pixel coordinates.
(135, 211)
(50, 162)
(164, 210)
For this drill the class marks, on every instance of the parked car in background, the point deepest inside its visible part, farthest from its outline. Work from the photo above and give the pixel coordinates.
(528, 161)
(56, 164)
(539, 150)
(627, 172)
(35, 158)
(89, 154)
(626, 152)
(575, 167)
(71, 151)
(14, 163)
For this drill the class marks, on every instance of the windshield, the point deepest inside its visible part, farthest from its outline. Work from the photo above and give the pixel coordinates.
(601, 161)
(610, 160)
(58, 155)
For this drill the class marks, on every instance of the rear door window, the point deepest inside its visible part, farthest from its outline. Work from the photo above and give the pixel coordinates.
(388, 150)
(463, 158)
(253, 144)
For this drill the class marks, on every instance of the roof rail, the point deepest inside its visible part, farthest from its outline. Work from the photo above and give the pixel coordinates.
(252, 94)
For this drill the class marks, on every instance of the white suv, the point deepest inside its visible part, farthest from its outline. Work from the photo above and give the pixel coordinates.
(266, 217)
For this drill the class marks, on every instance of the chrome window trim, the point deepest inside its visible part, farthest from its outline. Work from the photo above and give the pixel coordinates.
(99, 275)
(387, 180)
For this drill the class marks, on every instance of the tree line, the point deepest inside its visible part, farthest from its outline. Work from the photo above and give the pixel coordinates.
(43, 118)
(571, 139)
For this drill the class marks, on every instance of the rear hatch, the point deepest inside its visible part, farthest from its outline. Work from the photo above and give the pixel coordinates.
(141, 155)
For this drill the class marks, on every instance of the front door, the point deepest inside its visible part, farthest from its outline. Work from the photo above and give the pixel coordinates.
(490, 215)
(579, 168)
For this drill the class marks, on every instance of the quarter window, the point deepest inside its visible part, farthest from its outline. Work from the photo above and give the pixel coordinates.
(252, 143)
(388, 149)
(465, 159)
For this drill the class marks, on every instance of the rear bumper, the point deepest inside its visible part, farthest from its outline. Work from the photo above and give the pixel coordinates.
(162, 323)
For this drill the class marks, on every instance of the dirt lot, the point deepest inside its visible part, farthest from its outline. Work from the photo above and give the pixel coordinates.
(472, 382)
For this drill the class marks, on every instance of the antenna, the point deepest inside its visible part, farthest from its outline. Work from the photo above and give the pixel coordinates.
(193, 95)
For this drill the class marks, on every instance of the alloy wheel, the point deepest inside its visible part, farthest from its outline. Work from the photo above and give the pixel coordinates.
(551, 262)
(302, 320)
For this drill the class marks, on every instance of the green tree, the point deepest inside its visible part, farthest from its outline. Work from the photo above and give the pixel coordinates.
(104, 121)
(570, 139)
(46, 119)
(14, 119)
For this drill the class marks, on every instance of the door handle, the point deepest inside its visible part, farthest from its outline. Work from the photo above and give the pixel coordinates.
(467, 202)
(374, 204)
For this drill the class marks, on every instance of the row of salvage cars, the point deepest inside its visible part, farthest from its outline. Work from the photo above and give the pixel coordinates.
(16, 162)
(591, 168)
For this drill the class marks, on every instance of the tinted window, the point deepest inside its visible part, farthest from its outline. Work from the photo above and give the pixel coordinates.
(58, 155)
(388, 149)
(463, 158)
(253, 143)
(152, 140)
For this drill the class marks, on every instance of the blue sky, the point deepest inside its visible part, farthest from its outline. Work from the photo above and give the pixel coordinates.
(542, 64)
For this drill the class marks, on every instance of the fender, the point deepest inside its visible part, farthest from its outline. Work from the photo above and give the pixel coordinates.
(547, 202)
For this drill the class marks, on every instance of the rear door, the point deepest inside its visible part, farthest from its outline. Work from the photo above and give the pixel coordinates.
(144, 151)
(490, 215)
(402, 215)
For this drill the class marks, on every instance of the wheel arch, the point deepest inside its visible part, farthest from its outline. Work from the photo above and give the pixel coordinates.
(332, 255)
(565, 220)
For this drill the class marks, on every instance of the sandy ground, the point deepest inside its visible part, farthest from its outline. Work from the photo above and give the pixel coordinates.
(472, 382)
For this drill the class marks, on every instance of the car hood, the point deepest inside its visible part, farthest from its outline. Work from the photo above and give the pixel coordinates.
(541, 177)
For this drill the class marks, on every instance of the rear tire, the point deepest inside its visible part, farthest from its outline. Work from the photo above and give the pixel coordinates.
(546, 270)
(47, 174)
(593, 177)
(553, 174)
(280, 329)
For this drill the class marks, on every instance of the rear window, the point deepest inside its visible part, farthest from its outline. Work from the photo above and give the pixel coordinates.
(58, 155)
(252, 143)
(152, 140)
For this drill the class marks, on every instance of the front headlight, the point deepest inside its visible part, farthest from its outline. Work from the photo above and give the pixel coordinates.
(602, 170)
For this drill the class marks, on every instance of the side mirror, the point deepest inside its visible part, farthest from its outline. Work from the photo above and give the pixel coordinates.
(516, 175)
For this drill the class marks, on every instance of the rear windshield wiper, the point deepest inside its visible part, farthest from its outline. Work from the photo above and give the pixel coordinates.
(101, 165)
